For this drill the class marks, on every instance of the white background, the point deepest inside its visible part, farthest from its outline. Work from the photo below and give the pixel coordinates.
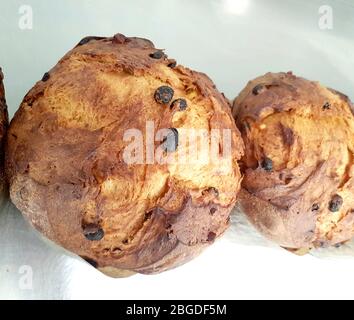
(232, 41)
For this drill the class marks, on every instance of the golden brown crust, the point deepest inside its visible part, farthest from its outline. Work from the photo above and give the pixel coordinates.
(298, 186)
(116, 273)
(65, 158)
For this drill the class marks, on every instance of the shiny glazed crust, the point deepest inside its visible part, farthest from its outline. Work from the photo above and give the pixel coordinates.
(65, 158)
(298, 186)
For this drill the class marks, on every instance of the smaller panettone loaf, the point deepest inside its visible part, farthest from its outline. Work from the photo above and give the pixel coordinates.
(298, 186)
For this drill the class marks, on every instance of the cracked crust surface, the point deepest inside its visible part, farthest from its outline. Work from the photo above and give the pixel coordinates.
(65, 158)
(298, 186)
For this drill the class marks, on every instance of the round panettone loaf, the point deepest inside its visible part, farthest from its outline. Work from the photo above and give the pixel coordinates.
(298, 186)
(95, 157)
(3, 128)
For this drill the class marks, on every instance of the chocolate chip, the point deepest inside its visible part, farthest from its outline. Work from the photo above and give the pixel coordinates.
(46, 77)
(172, 64)
(164, 94)
(93, 232)
(211, 236)
(156, 55)
(120, 38)
(267, 164)
(170, 142)
(336, 203)
(181, 104)
(315, 207)
(212, 210)
(91, 262)
(148, 215)
(88, 39)
(259, 88)
(326, 106)
(338, 245)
